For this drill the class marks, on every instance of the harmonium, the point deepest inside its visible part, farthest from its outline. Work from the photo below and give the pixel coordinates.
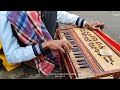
(94, 54)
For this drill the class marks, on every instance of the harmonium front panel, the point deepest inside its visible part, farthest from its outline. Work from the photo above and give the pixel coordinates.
(92, 56)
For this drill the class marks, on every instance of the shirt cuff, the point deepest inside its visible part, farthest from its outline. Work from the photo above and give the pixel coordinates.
(36, 49)
(44, 51)
(84, 24)
(80, 22)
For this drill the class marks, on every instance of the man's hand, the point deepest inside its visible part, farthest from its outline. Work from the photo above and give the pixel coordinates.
(57, 45)
(94, 26)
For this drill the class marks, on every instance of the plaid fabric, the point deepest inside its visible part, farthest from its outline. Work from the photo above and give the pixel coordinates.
(31, 30)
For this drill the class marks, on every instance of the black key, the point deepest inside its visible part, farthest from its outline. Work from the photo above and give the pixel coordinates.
(69, 38)
(75, 46)
(79, 56)
(72, 41)
(84, 66)
(66, 33)
(81, 60)
(75, 50)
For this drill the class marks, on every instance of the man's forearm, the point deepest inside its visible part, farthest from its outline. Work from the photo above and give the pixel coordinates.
(67, 18)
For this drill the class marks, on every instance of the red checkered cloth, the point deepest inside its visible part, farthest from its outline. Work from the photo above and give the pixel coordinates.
(31, 30)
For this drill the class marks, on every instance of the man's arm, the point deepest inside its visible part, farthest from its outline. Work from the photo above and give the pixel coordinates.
(67, 18)
(13, 52)
(16, 54)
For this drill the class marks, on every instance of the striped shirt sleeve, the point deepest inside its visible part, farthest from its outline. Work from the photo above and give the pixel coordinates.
(38, 49)
(80, 22)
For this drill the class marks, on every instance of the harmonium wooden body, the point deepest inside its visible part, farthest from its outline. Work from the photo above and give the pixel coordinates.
(94, 54)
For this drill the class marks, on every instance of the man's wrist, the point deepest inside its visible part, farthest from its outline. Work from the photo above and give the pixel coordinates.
(84, 24)
(45, 45)
(45, 48)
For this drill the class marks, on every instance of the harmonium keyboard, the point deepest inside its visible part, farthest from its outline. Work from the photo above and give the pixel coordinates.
(94, 54)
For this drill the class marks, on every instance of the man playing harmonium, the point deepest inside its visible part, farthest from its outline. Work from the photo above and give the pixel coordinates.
(29, 35)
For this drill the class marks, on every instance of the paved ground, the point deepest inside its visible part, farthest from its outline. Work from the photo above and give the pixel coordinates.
(112, 28)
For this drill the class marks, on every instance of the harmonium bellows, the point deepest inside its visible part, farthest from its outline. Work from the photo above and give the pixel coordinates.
(94, 53)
